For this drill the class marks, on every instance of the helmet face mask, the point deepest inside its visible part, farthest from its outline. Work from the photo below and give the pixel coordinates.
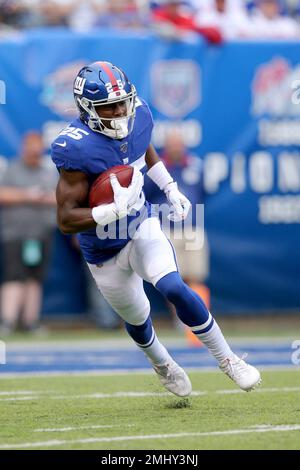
(92, 90)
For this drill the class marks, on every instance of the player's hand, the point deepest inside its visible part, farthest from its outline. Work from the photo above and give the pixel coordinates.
(135, 187)
(180, 204)
(125, 198)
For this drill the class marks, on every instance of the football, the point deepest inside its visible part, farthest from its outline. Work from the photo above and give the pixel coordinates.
(101, 191)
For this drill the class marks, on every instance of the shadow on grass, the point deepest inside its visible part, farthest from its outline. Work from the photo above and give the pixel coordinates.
(178, 404)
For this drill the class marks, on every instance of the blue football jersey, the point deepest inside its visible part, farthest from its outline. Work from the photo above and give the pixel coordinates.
(79, 148)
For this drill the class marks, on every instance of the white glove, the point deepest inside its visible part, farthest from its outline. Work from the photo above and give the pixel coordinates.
(180, 204)
(125, 198)
(105, 214)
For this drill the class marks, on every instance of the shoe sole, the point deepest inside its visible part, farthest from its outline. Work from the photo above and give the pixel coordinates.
(186, 379)
(178, 394)
(257, 384)
(181, 396)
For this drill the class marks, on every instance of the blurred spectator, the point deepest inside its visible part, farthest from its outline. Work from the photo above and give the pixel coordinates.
(293, 7)
(84, 13)
(12, 15)
(268, 23)
(172, 20)
(80, 15)
(229, 16)
(27, 219)
(122, 14)
(11, 12)
(24, 14)
(55, 12)
(186, 169)
(3, 165)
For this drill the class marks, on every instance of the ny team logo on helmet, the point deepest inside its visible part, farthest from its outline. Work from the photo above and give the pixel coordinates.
(102, 83)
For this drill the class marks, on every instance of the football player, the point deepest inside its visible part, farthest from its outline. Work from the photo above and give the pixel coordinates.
(114, 127)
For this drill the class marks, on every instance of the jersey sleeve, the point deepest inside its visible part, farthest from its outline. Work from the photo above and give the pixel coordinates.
(66, 155)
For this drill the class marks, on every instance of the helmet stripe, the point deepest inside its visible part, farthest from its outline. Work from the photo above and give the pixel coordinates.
(111, 77)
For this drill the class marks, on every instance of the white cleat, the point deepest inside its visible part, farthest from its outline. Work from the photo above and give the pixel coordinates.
(245, 376)
(174, 379)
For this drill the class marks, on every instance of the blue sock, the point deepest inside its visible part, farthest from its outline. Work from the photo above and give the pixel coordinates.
(145, 338)
(143, 334)
(190, 307)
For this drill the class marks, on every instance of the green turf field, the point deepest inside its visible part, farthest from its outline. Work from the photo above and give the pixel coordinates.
(63, 412)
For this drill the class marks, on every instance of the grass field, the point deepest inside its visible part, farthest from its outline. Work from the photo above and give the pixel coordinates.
(132, 411)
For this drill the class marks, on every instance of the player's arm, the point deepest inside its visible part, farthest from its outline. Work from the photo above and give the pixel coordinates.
(160, 176)
(152, 157)
(72, 190)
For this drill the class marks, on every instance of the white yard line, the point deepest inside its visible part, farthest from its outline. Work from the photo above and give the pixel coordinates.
(129, 394)
(99, 396)
(75, 428)
(19, 392)
(259, 390)
(32, 397)
(259, 429)
(124, 395)
(168, 394)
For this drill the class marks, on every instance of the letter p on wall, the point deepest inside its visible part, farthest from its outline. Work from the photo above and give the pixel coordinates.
(2, 92)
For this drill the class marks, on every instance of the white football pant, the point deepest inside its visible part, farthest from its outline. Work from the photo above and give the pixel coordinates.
(149, 256)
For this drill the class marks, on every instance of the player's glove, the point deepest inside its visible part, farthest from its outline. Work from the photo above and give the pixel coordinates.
(180, 204)
(125, 198)
(105, 214)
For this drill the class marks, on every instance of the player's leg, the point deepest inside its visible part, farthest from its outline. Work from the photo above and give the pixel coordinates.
(193, 267)
(12, 294)
(153, 259)
(170, 374)
(32, 305)
(124, 291)
(13, 286)
(35, 276)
